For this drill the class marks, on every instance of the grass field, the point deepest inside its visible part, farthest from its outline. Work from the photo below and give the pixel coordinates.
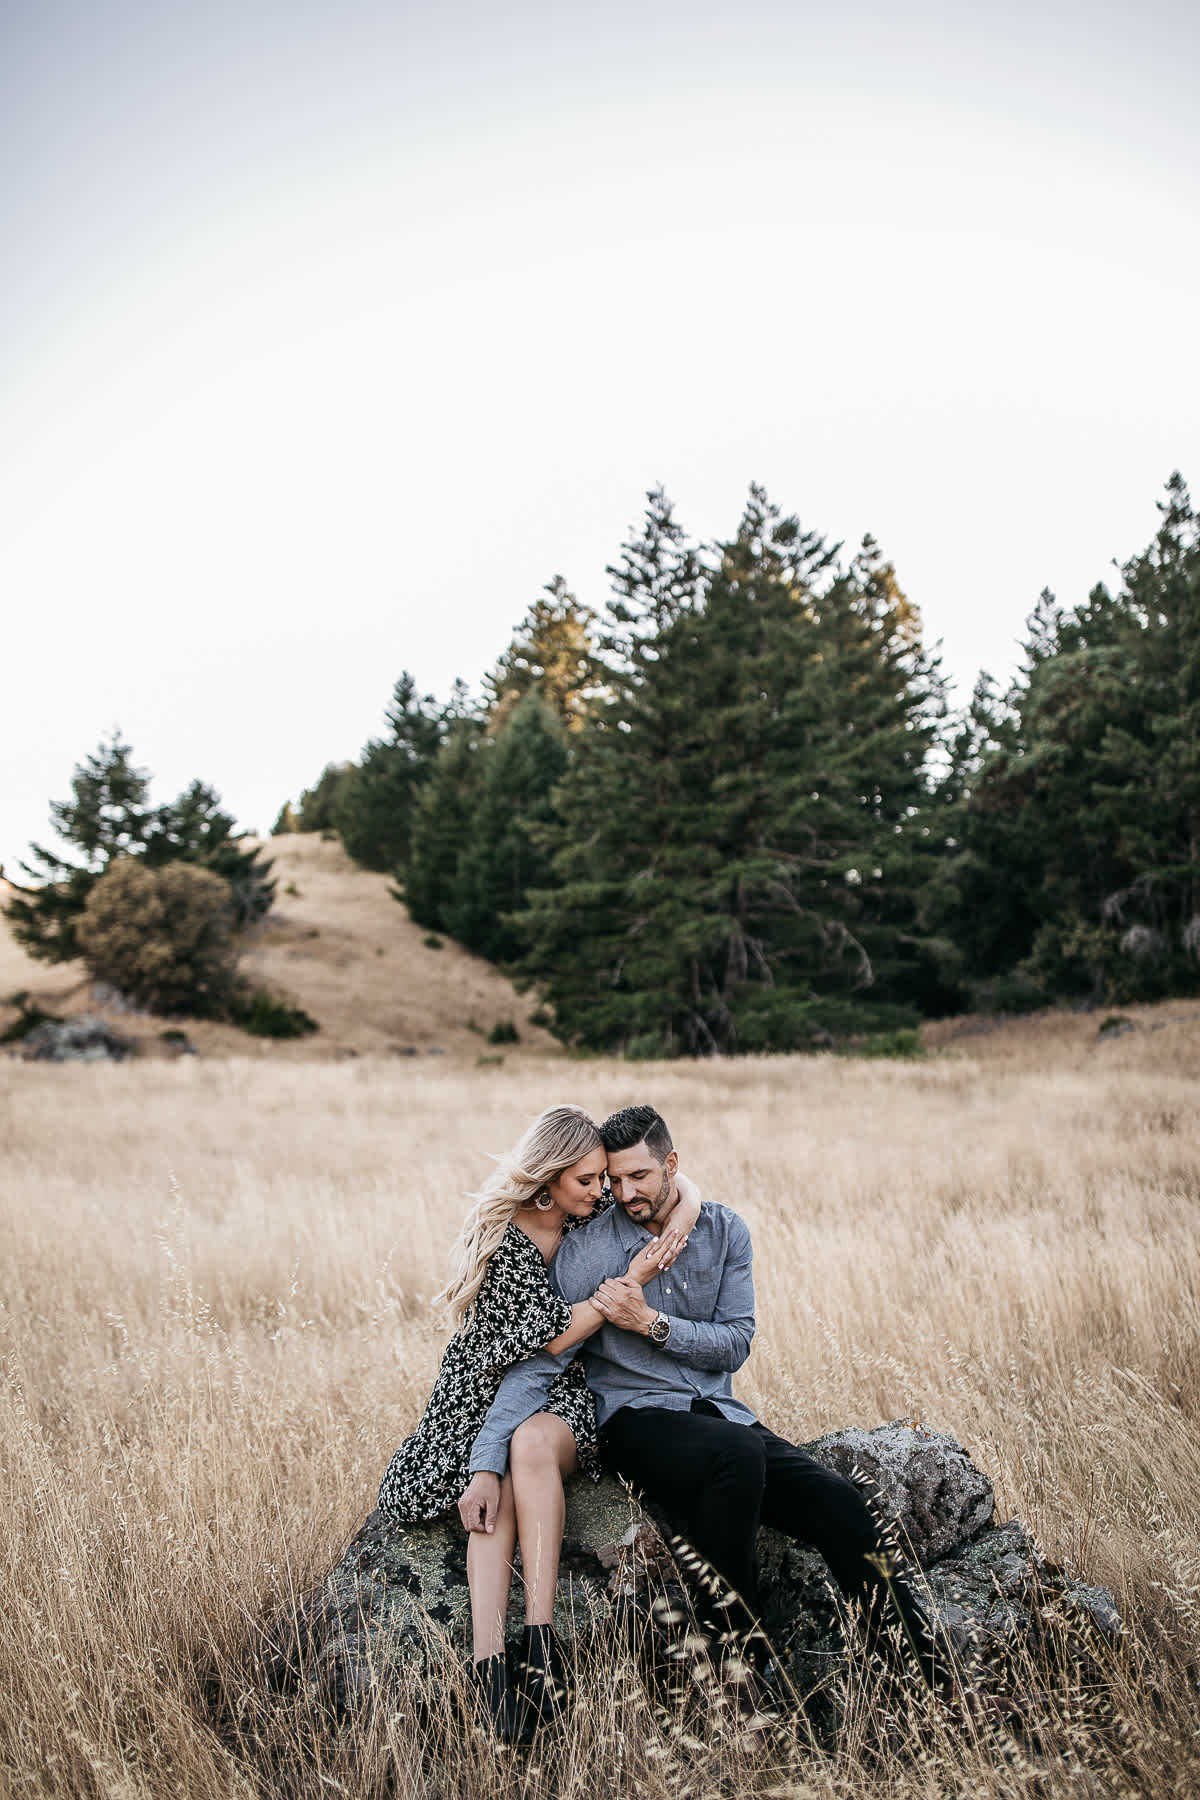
(216, 1277)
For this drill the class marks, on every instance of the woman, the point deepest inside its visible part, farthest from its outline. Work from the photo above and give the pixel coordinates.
(504, 1308)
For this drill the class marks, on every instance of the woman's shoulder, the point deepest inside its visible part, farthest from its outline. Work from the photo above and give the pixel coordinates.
(514, 1267)
(513, 1246)
(515, 1253)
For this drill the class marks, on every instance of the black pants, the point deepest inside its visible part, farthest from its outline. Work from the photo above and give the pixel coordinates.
(727, 1480)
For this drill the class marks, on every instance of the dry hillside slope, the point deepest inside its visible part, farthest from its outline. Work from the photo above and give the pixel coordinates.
(340, 946)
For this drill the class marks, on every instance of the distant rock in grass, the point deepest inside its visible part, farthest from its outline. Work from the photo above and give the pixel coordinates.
(400, 1587)
(84, 1039)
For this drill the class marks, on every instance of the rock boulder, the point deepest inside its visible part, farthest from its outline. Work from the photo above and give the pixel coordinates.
(397, 1587)
(83, 1039)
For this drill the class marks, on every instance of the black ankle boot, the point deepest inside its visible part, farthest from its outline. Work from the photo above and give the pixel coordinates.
(542, 1674)
(500, 1701)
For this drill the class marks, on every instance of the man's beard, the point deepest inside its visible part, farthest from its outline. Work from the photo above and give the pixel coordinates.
(661, 1201)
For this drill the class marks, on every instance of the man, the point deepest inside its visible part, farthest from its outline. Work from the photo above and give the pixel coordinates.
(660, 1368)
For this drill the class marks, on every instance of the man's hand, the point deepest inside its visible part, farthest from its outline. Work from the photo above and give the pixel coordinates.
(480, 1502)
(621, 1301)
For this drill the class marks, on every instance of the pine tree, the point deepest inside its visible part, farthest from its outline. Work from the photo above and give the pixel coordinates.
(738, 855)
(503, 853)
(658, 581)
(109, 819)
(1153, 779)
(317, 804)
(441, 827)
(1080, 828)
(195, 829)
(584, 937)
(551, 651)
(107, 816)
(374, 807)
(988, 919)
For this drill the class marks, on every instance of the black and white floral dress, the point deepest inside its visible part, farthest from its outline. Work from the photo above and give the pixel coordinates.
(516, 1312)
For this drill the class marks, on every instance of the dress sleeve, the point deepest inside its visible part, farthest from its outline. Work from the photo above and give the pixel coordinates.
(516, 1311)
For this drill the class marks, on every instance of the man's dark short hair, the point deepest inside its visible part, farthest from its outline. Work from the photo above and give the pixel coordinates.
(633, 1124)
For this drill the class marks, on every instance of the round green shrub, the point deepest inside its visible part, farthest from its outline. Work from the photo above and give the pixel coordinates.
(163, 937)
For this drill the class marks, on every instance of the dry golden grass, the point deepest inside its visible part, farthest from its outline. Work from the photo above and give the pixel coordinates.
(216, 1327)
(1162, 1039)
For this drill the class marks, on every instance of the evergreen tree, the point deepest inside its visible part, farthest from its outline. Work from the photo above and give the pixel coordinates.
(317, 805)
(1152, 781)
(460, 705)
(585, 938)
(195, 829)
(374, 807)
(1080, 824)
(503, 852)
(441, 826)
(108, 819)
(738, 856)
(990, 918)
(657, 581)
(108, 814)
(552, 652)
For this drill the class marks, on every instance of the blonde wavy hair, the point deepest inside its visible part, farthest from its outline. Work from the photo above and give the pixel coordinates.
(556, 1140)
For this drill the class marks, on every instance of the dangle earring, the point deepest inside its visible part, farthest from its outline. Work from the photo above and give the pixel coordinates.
(542, 1200)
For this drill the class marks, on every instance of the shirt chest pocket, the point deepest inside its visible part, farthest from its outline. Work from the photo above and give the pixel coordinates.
(687, 1293)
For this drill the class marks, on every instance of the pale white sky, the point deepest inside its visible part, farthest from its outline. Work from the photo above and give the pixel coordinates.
(330, 332)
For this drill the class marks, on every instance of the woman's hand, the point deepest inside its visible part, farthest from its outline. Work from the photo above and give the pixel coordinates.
(645, 1265)
(480, 1502)
(682, 1217)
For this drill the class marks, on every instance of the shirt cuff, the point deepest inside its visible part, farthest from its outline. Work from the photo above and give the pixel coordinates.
(488, 1455)
(680, 1338)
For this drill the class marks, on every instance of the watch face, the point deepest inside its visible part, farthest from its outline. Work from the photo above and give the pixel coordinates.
(660, 1330)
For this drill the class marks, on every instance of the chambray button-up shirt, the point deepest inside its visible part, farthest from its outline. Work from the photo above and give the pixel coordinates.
(708, 1295)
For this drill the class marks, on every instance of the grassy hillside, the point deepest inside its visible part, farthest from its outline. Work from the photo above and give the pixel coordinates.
(1163, 1039)
(337, 944)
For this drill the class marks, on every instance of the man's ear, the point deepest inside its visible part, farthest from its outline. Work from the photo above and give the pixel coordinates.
(672, 1163)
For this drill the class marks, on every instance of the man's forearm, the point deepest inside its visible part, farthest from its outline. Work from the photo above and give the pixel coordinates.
(717, 1348)
(521, 1394)
(719, 1344)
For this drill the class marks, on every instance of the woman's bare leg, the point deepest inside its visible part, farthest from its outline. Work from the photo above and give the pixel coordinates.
(489, 1576)
(542, 1452)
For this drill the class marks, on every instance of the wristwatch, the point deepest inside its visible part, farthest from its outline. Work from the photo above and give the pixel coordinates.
(660, 1329)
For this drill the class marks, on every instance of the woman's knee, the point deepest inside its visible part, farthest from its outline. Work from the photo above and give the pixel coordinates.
(536, 1445)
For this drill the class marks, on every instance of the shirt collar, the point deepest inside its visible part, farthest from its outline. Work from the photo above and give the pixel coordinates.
(630, 1235)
